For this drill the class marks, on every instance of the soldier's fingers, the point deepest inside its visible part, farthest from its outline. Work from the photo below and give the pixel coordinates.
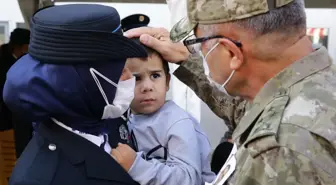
(158, 45)
(137, 32)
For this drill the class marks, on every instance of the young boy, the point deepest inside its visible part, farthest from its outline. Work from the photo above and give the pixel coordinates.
(172, 148)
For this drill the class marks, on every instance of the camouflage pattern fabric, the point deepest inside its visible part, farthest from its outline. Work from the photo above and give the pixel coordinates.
(191, 73)
(288, 135)
(220, 11)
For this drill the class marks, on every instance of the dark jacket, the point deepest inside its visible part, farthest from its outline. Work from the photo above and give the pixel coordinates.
(50, 159)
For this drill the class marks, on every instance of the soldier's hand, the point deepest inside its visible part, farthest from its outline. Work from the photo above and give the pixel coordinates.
(159, 40)
(124, 155)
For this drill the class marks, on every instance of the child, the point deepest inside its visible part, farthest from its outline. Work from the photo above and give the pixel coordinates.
(172, 148)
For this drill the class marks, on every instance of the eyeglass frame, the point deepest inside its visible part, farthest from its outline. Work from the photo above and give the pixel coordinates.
(190, 42)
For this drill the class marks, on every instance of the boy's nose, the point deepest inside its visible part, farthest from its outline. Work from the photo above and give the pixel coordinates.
(147, 85)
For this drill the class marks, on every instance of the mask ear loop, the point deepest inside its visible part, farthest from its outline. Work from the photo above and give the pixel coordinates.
(232, 73)
(205, 66)
(227, 81)
(93, 73)
(211, 50)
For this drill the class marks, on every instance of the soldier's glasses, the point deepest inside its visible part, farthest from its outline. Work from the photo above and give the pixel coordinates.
(193, 44)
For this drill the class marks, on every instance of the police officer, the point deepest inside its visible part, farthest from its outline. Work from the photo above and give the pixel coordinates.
(258, 50)
(74, 85)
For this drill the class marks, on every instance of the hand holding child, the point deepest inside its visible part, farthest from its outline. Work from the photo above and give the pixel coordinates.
(124, 155)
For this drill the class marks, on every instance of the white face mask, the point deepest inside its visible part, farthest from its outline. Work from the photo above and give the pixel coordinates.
(123, 97)
(207, 73)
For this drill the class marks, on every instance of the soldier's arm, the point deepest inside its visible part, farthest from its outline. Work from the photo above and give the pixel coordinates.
(191, 73)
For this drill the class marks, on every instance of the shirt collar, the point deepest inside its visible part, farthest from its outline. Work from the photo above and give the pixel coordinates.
(97, 140)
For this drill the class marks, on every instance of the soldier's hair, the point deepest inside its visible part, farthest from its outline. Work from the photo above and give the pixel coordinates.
(288, 19)
(151, 52)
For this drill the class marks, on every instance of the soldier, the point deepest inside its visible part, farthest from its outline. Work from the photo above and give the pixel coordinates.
(258, 50)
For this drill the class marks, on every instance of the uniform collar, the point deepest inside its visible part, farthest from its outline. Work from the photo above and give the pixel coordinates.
(278, 85)
(98, 164)
(97, 140)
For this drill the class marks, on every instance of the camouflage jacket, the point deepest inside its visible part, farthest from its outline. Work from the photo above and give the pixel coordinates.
(288, 135)
(191, 73)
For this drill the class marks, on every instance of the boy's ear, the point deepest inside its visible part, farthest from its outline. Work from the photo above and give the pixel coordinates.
(168, 77)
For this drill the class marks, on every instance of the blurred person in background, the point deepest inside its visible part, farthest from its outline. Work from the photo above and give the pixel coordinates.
(9, 54)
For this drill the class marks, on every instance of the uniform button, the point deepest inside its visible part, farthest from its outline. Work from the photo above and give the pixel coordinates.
(52, 147)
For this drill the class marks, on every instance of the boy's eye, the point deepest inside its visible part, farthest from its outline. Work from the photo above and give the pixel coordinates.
(156, 75)
(137, 78)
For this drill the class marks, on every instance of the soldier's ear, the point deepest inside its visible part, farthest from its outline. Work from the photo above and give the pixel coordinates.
(237, 57)
(235, 63)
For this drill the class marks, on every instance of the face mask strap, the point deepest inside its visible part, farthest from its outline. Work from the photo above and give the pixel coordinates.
(127, 115)
(93, 73)
(211, 50)
(227, 81)
(205, 64)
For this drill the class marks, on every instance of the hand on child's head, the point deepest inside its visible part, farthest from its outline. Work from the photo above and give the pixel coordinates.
(159, 40)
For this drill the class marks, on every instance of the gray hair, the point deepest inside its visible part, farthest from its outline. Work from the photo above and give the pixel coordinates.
(289, 19)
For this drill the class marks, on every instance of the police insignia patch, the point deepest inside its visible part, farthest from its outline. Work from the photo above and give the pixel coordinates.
(123, 132)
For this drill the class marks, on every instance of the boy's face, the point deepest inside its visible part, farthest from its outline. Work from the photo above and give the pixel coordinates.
(151, 86)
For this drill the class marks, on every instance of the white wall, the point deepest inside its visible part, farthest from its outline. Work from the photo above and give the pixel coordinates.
(10, 14)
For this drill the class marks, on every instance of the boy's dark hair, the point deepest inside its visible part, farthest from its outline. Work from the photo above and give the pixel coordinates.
(150, 52)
